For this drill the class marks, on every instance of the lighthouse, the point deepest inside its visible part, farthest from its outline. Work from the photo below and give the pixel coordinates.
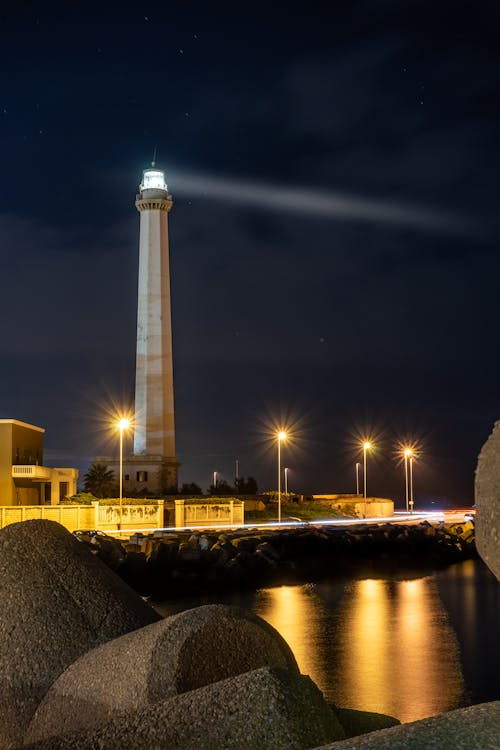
(153, 466)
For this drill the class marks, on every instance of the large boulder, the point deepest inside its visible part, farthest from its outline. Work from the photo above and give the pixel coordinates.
(488, 502)
(473, 728)
(265, 709)
(58, 602)
(194, 648)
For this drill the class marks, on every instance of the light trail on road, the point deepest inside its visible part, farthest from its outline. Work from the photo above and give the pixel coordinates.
(398, 517)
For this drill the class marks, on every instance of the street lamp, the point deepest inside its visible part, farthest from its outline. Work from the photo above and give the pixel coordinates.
(285, 471)
(411, 484)
(366, 447)
(281, 436)
(357, 477)
(408, 454)
(123, 424)
(215, 480)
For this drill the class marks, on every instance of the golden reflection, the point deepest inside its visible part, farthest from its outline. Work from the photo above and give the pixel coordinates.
(374, 645)
(366, 645)
(293, 611)
(401, 656)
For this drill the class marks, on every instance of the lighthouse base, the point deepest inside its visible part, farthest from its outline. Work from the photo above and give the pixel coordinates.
(146, 475)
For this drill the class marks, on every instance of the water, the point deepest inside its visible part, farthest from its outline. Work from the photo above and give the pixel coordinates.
(409, 648)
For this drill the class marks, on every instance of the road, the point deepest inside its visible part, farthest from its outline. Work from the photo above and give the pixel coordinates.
(448, 516)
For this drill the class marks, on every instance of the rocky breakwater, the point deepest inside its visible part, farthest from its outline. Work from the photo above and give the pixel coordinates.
(167, 564)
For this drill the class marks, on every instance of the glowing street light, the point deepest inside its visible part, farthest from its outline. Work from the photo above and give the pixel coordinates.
(281, 436)
(123, 424)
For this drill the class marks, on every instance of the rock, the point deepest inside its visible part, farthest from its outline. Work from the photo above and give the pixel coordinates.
(181, 653)
(268, 551)
(265, 709)
(58, 601)
(487, 491)
(133, 571)
(472, 728)
(189, 553)
(355, 722)
(245, 543)
(204, 543)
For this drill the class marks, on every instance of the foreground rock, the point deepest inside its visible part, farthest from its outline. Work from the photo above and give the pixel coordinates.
(181, 653)
(93, 667)
(58, 602)
(265, 709)
(87, 664)
(472, 728)
(488, 501)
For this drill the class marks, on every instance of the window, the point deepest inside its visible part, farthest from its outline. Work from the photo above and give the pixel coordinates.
(142, 476)
(126, 477)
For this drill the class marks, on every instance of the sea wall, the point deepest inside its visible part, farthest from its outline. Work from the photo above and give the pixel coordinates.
(166, 564)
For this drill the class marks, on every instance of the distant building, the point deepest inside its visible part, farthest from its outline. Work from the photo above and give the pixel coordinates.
(24, 480)
(153, 466)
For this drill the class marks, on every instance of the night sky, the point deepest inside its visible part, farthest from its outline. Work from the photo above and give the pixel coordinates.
(334, 236)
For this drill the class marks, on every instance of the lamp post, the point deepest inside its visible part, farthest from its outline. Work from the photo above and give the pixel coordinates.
(357, 477)
(366, 447)
(215, 480)
(281, 436)
(285, 471)
(411, 484)
(408, 455)
(123, 424)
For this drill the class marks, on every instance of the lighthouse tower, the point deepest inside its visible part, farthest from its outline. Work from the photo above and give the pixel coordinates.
(153, 465)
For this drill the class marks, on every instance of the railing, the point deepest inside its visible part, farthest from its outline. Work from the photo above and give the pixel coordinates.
(130, 516)
(209, 514)
(32, 471)
(71, 516)
(95, 516)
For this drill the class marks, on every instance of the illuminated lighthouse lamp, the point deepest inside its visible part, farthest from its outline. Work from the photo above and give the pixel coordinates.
(153, 179)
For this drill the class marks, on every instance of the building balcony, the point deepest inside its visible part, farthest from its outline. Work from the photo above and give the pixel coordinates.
(32, 471)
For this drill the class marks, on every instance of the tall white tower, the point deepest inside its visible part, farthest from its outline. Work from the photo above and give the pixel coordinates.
(154, 428)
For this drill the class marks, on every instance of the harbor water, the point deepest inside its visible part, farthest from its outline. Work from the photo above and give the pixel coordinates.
(410, 646)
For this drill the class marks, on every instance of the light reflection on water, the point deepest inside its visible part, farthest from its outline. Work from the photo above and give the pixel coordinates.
(400, 647)
(387, 646)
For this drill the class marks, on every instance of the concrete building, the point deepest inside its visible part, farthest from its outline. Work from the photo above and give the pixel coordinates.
(153, 466)
(24, 480)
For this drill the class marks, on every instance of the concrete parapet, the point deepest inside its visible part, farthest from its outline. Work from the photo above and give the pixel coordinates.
(181, 653)
(472, 728)
(265, 709)
(487, 491)
(58, 601)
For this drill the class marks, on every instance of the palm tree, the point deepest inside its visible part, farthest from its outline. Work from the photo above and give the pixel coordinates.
(99, 480)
